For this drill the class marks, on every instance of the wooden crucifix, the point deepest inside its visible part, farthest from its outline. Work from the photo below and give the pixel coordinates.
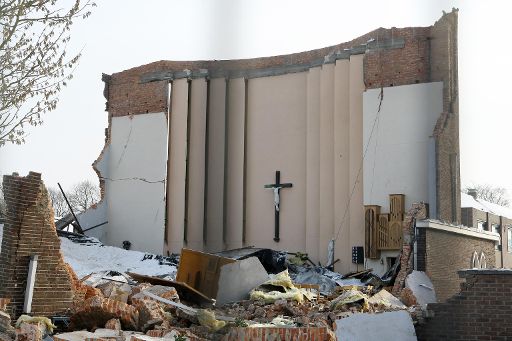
(276, 188)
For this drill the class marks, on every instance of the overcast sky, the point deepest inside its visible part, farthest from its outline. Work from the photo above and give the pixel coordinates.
(123, 34)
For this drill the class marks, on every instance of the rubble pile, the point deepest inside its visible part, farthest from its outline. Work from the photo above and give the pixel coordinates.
(302, 302)
(248, 296)
(111, 305)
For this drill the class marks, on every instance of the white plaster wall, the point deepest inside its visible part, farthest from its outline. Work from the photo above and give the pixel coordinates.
(92, 217)
(99, 214)
(135, 184)
(398, 158)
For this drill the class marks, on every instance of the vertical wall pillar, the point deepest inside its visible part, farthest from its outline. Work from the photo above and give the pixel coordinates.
(326, 159)
(313, 163)
(196, 164)
(356, 229)
(235, 163)
(176, 174)
(342, 187)
(215, 169)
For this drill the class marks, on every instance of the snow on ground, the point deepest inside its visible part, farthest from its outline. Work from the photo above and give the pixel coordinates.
(92, 256)
(86, 258)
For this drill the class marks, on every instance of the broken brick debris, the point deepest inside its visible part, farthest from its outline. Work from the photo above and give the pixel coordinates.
(30, 332)
(174, 331)
(96, 311)
(275, 333)
(162, 291)
(113, 324)
(150, 314)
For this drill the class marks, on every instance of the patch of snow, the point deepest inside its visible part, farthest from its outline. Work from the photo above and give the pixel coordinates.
(497, 209)
(94, 257)
(467, 200)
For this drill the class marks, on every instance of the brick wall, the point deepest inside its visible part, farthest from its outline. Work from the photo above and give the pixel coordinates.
(393, 67)
(443, 67)
(481, 311)
(470, 218)
(445, 253)
(29, 230)
(417, 211)
(126, 94)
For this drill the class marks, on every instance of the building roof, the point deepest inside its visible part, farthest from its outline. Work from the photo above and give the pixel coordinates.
(467, 200)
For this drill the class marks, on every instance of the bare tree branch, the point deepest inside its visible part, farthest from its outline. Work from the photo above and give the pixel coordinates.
(34, 67)
(83, 195)
(496, 195)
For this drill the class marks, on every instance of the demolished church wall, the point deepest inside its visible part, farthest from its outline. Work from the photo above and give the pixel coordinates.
(235, 122)
(29, 230)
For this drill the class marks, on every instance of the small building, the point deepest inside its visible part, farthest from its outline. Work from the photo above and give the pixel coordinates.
(487, 216)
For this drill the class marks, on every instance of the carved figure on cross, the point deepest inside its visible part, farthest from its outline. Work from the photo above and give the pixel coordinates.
(276, 187)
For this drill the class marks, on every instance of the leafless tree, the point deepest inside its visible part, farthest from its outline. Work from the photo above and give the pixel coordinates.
(60, 208)
(496, 195)
(83, 195)
(33, 62)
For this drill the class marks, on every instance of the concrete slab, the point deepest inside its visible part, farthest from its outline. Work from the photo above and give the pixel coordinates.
(237, 279)
(421, 287)
(395, 325)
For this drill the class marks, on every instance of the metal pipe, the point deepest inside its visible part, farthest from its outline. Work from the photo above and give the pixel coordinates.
(93, 227)
(71, 209)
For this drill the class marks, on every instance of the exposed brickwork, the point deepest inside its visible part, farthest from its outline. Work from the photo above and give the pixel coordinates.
(96, 311)
(421, 261)
(481, 311)
(443, 67)
(160, 333)
(29, 230)
(417, 211)
(446, 253)
(471, 216)
(127, 95)
(393, 67)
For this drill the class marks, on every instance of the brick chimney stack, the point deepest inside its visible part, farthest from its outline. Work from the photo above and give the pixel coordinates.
(473, 193)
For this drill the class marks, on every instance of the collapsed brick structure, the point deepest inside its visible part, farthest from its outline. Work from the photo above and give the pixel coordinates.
(481, 311)
(29, 230)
